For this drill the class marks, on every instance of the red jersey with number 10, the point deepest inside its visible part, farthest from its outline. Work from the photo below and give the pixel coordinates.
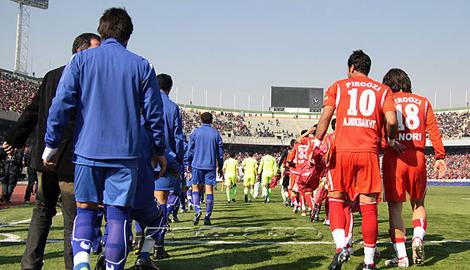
(360, 104)
(415, 117)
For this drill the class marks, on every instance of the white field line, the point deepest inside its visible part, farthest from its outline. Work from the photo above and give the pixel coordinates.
(24, 221)
(247, 243)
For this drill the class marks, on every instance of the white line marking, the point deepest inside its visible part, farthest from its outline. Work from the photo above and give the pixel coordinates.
(10, 237)
(248, 243)
(24, 221)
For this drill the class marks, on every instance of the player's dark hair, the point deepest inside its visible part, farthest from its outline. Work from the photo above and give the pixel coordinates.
(361, 62)
(116, 23)
(333, 124)
(165, 82)
(83, 41)
(315, 131)
(292, 142)
(251, 153)
(206, 118)
(231, 154)
(397, 80)
(303, 131)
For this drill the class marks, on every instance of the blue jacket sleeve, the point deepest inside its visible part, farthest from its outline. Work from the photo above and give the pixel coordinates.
(190, 152)
(179, 137)
(65, 100)
(153, 109)
(220, 152)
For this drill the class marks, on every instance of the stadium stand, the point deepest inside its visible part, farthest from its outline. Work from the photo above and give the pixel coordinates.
(16, 91)
(256, 129)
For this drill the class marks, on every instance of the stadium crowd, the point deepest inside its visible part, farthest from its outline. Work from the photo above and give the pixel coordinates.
(454, 124)
(15, 91)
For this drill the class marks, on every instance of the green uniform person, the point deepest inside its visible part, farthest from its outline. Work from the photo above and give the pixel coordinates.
(267, 169)
(249, 166)
(230, 170)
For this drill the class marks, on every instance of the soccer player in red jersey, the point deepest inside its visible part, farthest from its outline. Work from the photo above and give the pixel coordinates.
(406, 172)
(362, 107)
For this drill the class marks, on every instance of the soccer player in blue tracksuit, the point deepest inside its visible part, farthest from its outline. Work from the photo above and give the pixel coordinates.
(145, 211)
(205, 155)
(174, 142)
(109, 88)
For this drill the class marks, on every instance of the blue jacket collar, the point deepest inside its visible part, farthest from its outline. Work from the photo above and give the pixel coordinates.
(207, 125)
(112, 41)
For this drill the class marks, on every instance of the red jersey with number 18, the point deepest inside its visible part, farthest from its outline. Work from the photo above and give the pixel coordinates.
(360, 104)
(415, 117)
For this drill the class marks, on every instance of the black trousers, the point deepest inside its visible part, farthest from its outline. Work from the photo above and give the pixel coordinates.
(50, 186)
(32, 178)
(9, 183)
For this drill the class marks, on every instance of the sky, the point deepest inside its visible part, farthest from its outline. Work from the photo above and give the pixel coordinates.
(235, 50)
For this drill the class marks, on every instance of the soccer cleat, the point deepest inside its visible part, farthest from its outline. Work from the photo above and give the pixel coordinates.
(295, 210)
(396, 262)
(233, 200)
(145, 264)
(176, 219)
(246, 198)
(207, 221)
(304, 213)
(326, 222)
(418, 252)
(159, 253)
(100, 263)
(137, 244)
(340, 257)
(196, 218)
(99, 248)
(369, 267)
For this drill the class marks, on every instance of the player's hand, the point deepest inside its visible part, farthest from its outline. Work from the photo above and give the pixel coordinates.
(396, 146)
(49, 157)
(160, 160)
(440, 167)
(10, 150)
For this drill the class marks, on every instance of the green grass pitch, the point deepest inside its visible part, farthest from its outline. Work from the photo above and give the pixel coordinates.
(270, 237)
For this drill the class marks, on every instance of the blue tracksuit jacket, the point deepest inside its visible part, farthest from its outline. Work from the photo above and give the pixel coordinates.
(205, 149)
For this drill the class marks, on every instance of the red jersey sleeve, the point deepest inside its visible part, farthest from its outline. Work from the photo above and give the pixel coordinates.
(388, 103)
(434, 135)
(330, 95)
(291, 155)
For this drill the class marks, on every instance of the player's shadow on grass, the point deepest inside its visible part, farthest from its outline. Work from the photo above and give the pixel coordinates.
(14, 259)
(222, 256)
(303, 263)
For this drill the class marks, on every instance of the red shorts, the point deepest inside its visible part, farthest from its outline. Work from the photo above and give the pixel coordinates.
(355, 173)
(404, 173)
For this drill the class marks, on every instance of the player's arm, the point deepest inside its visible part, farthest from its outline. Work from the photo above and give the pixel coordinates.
(391, 123)
(179, 136)
(25, 125)
(434, 135)
(190, 151)
(63, 103)
(324, 122)
(220, 152)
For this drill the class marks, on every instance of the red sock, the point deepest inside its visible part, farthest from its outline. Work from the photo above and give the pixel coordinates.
(348, 227)
(327, 209)
(337, 222)
(369, 224)
(309, 199)
(301, 200)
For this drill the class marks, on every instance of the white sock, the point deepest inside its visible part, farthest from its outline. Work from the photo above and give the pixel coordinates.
(369, 254)
(339, 237)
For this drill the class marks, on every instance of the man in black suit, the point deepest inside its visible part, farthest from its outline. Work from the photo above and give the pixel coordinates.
(51, 182)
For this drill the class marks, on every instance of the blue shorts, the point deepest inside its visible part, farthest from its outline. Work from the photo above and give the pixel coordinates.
(108, 185)
(165, 183)
(204, 177)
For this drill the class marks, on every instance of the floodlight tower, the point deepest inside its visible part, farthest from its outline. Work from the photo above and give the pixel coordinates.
(22, 32)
